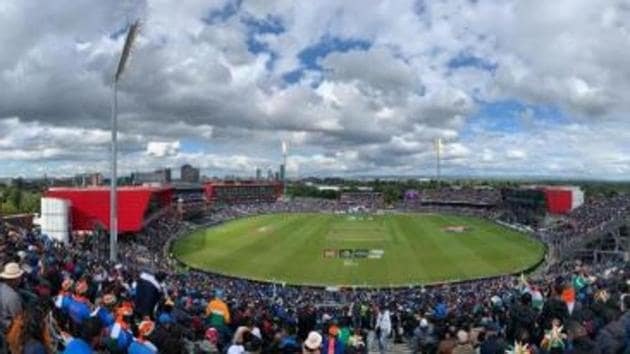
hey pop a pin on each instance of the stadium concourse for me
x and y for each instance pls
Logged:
(70, 298)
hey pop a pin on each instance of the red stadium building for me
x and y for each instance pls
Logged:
(234, 192)
(137, 206)
(563, 199)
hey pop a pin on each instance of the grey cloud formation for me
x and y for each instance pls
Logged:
(193, 81)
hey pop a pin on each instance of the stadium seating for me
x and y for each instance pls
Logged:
(569, 307)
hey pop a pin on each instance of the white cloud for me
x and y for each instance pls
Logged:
(162, 149)
(367, 111)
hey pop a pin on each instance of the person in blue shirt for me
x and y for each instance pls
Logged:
(78, 307)
(105, 312)
(85, 342)
(118, 335)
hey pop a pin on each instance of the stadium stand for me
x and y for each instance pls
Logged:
(70, 298)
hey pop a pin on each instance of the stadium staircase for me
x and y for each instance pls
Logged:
(581, 244)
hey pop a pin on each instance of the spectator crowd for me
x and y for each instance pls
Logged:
(71, 299)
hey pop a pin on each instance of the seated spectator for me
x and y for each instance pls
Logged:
(10, 301)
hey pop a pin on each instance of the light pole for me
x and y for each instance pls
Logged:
(438, 151)
(113, 197)
(284, 163)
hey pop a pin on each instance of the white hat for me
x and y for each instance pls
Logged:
(462, 336)
(11, 271)
(313, 341)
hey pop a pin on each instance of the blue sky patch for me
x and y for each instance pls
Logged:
(511, 116)
(467, 60)
(218, 15)
(310, 56)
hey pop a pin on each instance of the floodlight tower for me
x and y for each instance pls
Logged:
(438, 162)
(285, 149)
(132, 33)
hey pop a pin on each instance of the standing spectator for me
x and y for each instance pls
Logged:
(383, 328)
(149, 292)
(522, 318)
(331, 344)
(10, 301)
(218, 314)
(555, 307)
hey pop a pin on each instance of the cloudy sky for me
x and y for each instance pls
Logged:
(531, 87)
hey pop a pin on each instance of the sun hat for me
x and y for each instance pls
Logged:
(11, 270)
(313, 341)
(462, 336)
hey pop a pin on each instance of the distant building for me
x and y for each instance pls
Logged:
(88, 179)
(269, 174)
(277, 176)
(162, 176)
(282, 172)
(258, 174)
(235, 192)
(189, 174)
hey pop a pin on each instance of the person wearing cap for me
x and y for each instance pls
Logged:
(463, 344)
(423, 336)
(141, 344)
(167, 334)
(312, 344)
(10, 301)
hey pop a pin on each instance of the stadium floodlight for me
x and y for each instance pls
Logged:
(132, 33)
(438, 151)
(285, 150)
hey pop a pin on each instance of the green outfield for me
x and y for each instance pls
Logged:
(367, 250)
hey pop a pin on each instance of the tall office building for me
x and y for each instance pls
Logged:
(189, 174)
(282, 172)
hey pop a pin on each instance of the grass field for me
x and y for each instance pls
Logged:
(416, 249)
